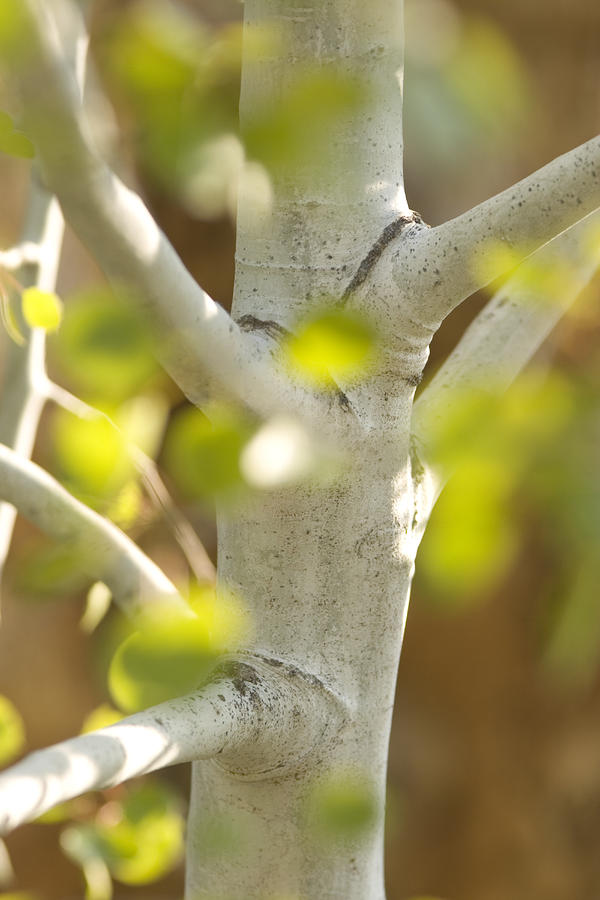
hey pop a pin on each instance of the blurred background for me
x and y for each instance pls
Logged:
(494, 786)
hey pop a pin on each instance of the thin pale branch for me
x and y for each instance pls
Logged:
(256, 716)
(198, 559)
(457, 258)
(197, 726)
(104, 551)
(35, 261)
(204, 350)
(22, 402)
(510, 329)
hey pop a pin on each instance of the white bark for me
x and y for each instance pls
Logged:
(206, 353)
(22, 401)
(35, 261)
(249, 714)
(506, 334)
(255, 713)
(105, 552)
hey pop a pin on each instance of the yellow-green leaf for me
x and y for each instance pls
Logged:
(41, 309)
(141, 840)
(101, 717)
(332, 343)
(12, 731)
(172, 654)
(342, 805)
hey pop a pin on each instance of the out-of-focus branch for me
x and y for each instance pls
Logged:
(510, 329)
(22, 402)
(204, 350)
(35, 262)
(105, 552)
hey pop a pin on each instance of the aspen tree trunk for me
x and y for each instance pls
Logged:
(325, 572)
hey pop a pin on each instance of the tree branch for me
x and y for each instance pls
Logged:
(35, 260)
(509, 330)
(447, 264)
(106, 553)
(256, 716)
(203, 349)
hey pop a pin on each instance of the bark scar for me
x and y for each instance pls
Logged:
(388, 234)
(278, 333)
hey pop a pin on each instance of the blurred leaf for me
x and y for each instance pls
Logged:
(466, 85)
(141, 844)
(550, 281)
(277, 133)
(173, 654)
(48, 569)
(41, 309)
(488, 77)
(494, 446)
(573, 649)
(12, 731)
(15, 143)
(342, 805)
(92, 454)
(332, 343)
(203, 456)
(126, 508)
(13, 32)
(105, 347)
(62, 812)
(101, 717)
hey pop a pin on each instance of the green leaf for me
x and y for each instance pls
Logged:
(91, 453)
(13, 32)
(101, 717)
(325, 96)
(41, 309)
(47, 569)
(471, 537)
(333, 343)
(172, 654)
(142, 841)
(105, 347)
(203, 456)
(342, 805)
(12, 732)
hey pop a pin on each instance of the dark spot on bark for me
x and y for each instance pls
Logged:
(159, 721)
(277, 663)
(414, 380)
(273, 329)
(243, 676)
(416, 466)
(388, 234)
